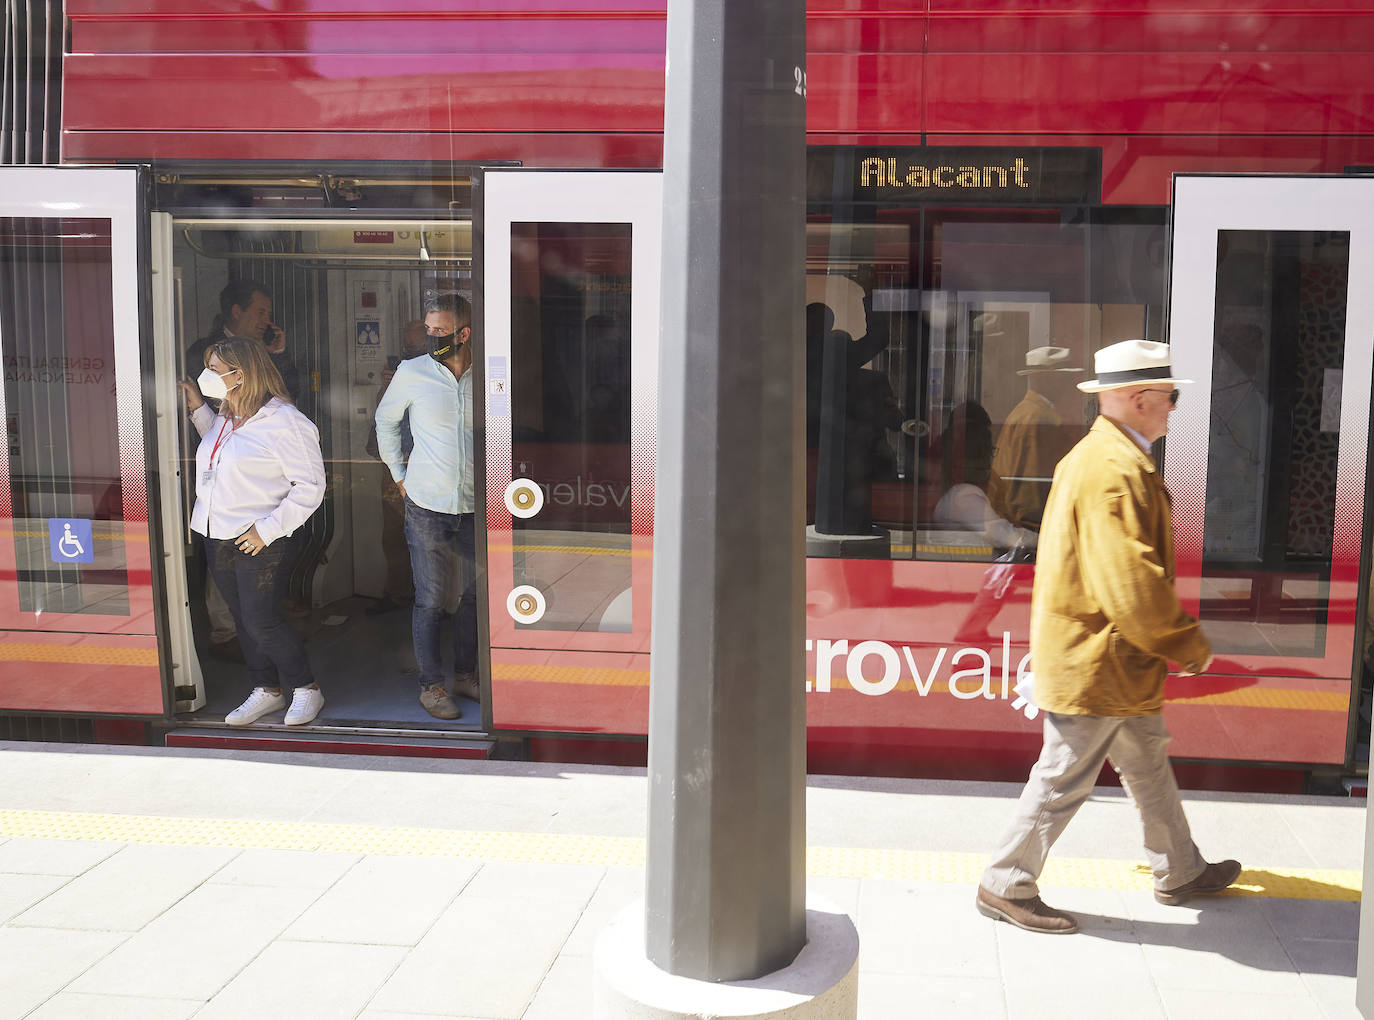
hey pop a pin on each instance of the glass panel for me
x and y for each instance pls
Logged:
(943, 349)
(570, 419)
(1279, 349)
(57, 337)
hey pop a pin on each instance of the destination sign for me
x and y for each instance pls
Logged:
(1021, 175)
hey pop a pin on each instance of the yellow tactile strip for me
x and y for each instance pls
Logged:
(606, 851)
(97, 655)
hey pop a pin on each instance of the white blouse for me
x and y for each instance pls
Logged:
(966, 506)
(267, 472)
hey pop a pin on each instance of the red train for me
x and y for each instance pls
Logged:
(995, 191)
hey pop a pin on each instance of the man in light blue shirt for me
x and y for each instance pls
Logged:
(436, 483)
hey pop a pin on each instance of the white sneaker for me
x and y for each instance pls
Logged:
(259, 704)
(306, 703)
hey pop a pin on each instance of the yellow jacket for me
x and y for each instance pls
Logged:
(1105, 619)
(1027, 447)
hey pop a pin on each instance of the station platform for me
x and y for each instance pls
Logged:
(169, 883)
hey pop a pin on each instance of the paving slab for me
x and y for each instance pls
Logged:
(305, 981)
(128, 889)
(198, 946)
(384, 901)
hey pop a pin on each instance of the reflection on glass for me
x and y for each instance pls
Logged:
(570, 370)
(1279, 343)
(928, 325)
(57, 339)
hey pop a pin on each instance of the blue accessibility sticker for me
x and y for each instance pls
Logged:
(69, 540)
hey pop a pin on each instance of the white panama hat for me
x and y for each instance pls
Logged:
(1131, 363)
(1047, 359)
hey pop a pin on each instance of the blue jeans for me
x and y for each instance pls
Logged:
(252, 587)
(442, 553)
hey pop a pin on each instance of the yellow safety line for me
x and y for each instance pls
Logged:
(100, 655)
(582, 550)
(622, 851)
(133, 536)
(609, 676)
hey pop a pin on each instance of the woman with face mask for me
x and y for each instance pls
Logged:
(259, 477)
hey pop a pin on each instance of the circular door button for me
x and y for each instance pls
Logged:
(524, 498)
(526, 604)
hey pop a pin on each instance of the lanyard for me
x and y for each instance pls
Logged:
(219, 440)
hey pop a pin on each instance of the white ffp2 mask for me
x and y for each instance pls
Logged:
(212, 385)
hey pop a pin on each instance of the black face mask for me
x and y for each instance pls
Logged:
(440, 347)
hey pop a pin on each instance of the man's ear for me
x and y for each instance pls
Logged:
(465, 334)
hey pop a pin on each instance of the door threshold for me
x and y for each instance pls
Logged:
(468, 744)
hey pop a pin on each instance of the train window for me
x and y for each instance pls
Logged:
(1278, 354)
(942, 347)
(57, 339)
(570, 420)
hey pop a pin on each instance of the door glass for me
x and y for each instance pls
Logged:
(943, 349)
(570, 421)
(1278, 356)
(57, 338)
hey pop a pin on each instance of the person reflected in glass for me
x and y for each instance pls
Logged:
(436, 483)
(966, 460)
(259, 477)
(866, 412)
(1034, 437)
(966, 456)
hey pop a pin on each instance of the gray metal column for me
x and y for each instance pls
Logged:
(725, 897)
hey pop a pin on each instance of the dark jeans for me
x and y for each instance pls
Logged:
(252, 587)
(441, 558)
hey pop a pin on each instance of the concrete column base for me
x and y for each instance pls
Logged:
(821, 983)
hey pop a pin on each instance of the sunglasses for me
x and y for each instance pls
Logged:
(1173, 395)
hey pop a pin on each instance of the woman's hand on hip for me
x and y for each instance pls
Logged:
(250, 542)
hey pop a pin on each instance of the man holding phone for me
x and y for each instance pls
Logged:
(245, 310)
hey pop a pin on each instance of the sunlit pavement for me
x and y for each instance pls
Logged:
(171, 883)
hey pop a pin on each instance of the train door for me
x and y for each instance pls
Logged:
(568, 303)
(347, 297)
(1271, 314)
(77, 609)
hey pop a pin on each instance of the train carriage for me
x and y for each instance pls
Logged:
(994, 192)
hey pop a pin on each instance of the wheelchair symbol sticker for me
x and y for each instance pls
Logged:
(69, 540)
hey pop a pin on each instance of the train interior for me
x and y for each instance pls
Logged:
(349, 297)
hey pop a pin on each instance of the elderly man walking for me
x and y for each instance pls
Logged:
(1105, 623)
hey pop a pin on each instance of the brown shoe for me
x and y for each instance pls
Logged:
(436, 701)
(1032, 914)
(465, 686)
(1214, 878)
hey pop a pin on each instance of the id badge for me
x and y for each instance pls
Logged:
(207, 478)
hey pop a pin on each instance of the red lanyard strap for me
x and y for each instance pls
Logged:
(219, 440)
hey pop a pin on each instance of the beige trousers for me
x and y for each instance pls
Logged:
(1074, 749)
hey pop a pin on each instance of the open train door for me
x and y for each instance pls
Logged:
(567, 300)
(78, 630)
(1271, 312)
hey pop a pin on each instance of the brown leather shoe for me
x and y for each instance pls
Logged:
(1032, 914)
(436, 701)
(1214, 878)
(465, 686)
